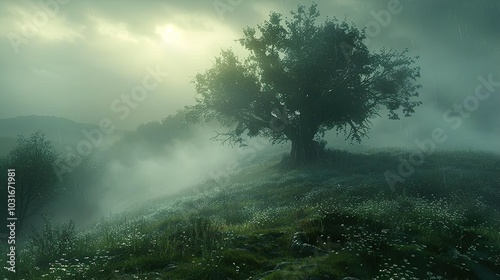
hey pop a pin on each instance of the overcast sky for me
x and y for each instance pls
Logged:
(82, 59)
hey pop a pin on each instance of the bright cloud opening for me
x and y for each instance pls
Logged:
(169, 33)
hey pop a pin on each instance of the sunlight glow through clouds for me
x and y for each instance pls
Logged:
(169, 33)
(186, 39)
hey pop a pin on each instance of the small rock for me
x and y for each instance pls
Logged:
(300, 248)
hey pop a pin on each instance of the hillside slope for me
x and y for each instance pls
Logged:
(330, 222)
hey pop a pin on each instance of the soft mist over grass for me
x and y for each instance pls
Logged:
(148, 171)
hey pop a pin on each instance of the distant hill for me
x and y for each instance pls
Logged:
(60, 131)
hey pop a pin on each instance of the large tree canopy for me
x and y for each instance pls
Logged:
(302, 79)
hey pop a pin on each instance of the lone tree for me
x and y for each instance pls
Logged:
(302, 79)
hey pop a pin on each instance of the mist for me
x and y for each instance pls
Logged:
(175, 167)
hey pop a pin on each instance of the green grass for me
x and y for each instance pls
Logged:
(442, 223)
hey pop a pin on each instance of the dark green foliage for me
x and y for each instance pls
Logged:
(173, 127)
(195, 236)
(36, 179)
(52, 241)
(243, 259)
(301, 79)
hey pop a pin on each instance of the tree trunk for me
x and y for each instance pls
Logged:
(304, 151)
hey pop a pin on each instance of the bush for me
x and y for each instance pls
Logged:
(52, 242)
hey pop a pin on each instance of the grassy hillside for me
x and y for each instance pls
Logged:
(327, 222)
